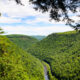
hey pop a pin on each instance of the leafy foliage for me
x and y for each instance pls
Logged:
(16, 64)
(62, 52)
(22, 41)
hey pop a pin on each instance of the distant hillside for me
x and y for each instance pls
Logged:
(22, 41)
(16, 64)
(39, 37)
(62, 52)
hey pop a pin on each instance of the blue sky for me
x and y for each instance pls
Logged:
(17, 19)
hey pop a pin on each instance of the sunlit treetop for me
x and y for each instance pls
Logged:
(58, 9)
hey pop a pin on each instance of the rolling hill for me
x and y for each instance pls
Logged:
(62, 52)
(23, 41)
(16, 64)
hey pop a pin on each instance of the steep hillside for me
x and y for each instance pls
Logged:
(62, 52)
(15, 64)
(22, 41)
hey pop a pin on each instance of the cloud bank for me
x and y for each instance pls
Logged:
(27, 20)
(35, 30)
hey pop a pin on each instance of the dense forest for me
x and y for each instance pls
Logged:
(16, 64)
(52, 57)
(23, 41)
(23, 57)
(62, 52)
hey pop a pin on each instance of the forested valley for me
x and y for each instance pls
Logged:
(62, 52)
(23, 57)
(45, 51)
(16, 64)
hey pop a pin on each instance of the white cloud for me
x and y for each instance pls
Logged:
(9, 20)
(14, 10)
(75, 18)
(17, 11)
(44, 19)
(35, 30)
